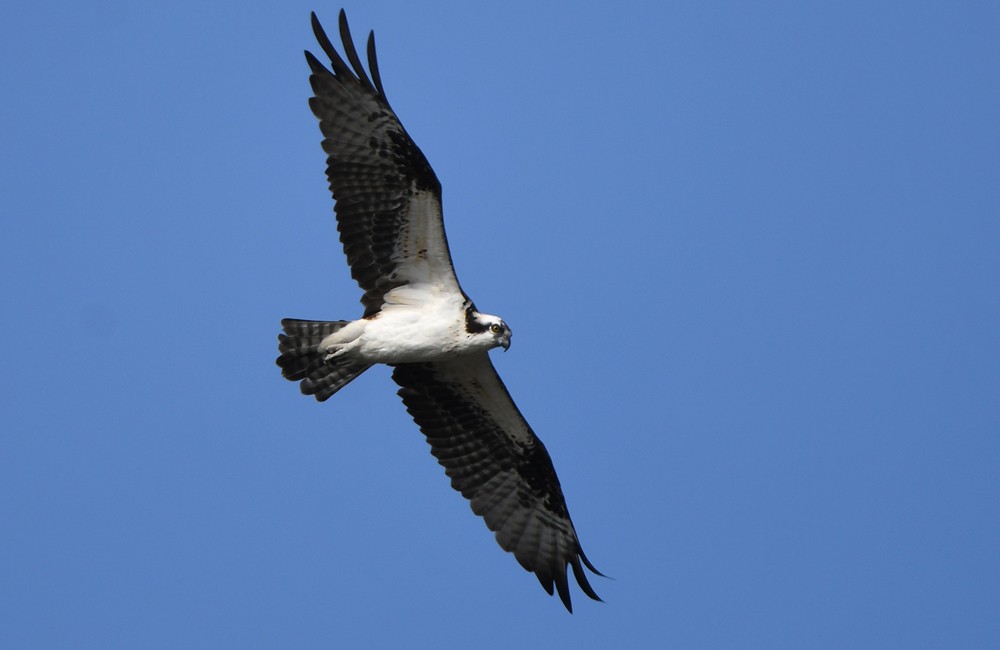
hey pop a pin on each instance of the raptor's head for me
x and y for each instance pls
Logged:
(488, 328)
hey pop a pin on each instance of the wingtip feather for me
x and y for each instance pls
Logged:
(373, 66)
(562, 586)
(581, 579)
(351, 51)
(339, 67)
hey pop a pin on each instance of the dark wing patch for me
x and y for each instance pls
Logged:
(495, 460)
(388, 197)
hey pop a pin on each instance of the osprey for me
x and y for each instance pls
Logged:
(419, 321)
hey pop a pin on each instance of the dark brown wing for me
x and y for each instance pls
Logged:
(388, 197)
(497, 463)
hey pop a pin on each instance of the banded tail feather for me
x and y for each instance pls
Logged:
(301, 360)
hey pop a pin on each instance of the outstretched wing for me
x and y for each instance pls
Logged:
(388, 197)
(495, 460)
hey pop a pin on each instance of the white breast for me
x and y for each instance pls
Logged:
(416, 323)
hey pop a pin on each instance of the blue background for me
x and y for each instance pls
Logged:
(750, 253)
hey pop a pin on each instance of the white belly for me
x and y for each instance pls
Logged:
(407, 335)
(407, 330)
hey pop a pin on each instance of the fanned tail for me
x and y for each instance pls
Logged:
(301, 360)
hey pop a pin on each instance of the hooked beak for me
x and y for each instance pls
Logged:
(505, 343)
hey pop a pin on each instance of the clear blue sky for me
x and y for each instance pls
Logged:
(750, 253)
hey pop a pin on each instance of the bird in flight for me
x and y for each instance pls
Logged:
(419, 321)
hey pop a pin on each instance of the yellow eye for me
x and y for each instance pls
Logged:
(495, 328)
